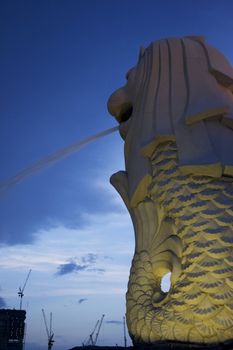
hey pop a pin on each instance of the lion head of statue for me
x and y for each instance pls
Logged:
(180, 90)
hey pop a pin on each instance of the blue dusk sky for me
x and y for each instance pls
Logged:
(59, 62)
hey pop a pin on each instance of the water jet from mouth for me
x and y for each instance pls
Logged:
(51, 159)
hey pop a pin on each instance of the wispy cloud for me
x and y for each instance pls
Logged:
(65, 204)
(105, 242)
(80, 301)
(88, 263)
(114, 322)
(90, 258)
(96, 270)
(54, 246)
(69, 267)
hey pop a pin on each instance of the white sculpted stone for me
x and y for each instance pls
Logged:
(176, 117)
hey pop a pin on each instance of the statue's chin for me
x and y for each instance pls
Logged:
(119, 180)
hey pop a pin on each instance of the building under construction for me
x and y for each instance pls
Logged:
(12, 326)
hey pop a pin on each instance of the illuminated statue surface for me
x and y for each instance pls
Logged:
(176, 117)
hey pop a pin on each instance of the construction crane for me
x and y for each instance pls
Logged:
(21, 290)
(98, 331)
(92, 340)
(49, 332)
(125, 340)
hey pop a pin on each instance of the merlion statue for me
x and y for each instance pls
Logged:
(176, 117)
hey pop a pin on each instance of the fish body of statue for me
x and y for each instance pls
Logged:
(176, 117)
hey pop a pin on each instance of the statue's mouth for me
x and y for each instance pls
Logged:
(121, 107)
(124, 119)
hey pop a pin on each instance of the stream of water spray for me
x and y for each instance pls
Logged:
(51, 159)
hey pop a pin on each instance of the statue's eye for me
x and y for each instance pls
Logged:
(126, 112)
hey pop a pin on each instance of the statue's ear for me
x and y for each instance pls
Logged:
(141, 52)
(220, 67)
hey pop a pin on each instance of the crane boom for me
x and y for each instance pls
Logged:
(50, 324)
(49, 332)
(26, 280)
(97, 333)
(45, 322)
(21, 290)
(91, 335)
(90, 338)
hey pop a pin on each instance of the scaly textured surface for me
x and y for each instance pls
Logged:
(184, 227)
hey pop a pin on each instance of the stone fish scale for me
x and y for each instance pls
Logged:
(199, 305)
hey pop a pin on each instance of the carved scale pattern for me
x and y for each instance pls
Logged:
(184, 227)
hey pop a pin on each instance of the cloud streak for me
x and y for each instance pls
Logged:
(114, 322)
(69, 267)
(96, 270)
(70, 247)
(88, 263)
(90, 258)
(80, 301)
